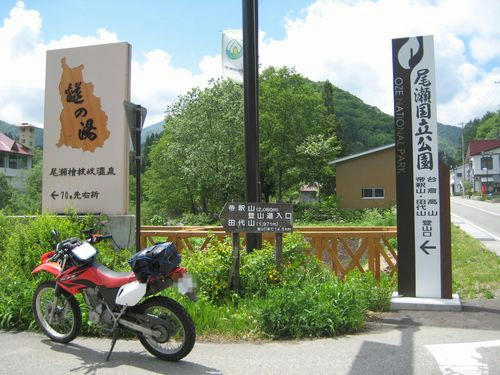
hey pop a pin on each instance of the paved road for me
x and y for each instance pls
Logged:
(410, 342)
(479, 219)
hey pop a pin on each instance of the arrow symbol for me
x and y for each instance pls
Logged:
(54, 195)
(424, 247)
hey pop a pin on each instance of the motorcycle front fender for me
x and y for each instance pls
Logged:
(50, 267)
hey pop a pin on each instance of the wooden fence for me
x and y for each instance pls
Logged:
(343, 248)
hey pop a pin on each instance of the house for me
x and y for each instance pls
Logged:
(457, 180)
(309, 193)
(367, 179)
(15, 161)
(483, 166)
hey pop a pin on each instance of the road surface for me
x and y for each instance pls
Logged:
(411, 342)
(479, 219)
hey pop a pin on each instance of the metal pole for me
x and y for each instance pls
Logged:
(138, 122)
(463, 163)
(251, 104)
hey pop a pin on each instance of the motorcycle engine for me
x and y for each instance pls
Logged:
(99, 314)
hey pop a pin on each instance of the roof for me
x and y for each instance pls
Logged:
(364, 153)
(9, 145)
(307, 188)
(26, 125)
(476, 147)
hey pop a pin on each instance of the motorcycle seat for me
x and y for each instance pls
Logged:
(113, 279)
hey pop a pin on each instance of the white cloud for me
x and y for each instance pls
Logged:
(347, 42)
(155, 82)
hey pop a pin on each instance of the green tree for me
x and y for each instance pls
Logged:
(197, 164)
(489, 127)
(294, 125)
(6, 191)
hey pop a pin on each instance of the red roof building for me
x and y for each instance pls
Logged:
(15, 161)
(483, 166)
(476, 147)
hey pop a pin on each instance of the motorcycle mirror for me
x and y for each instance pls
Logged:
(55, 234)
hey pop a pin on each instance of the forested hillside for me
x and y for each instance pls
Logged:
(486, 127)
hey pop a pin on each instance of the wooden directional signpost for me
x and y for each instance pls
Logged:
(245, 217)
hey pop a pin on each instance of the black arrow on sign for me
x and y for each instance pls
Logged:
(424, 248)
(54, 195)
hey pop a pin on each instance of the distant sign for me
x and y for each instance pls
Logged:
(86, 146)
(257, 217)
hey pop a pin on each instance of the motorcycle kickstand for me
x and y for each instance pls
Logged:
(116, 333)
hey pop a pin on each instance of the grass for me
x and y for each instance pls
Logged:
(475, 269)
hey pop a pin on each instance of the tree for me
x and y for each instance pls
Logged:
(294, 125)
(6, 191)
(197, 164)
(489, 127)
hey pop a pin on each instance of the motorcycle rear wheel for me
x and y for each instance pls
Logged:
(65, 323)
(176, 331)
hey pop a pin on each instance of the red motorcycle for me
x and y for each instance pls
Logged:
(162, 325)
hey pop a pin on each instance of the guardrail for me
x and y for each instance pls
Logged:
(343, 248)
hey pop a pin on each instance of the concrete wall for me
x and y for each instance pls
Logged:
(376, 170)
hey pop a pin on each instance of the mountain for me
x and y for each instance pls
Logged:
(361, 127)
(152, 129)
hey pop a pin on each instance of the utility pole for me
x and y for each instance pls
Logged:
(251, 105)
(463, 162)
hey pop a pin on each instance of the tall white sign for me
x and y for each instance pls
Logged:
(425, 172)
(232, 55)
(86, 140)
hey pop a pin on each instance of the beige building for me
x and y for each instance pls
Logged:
(367, 179)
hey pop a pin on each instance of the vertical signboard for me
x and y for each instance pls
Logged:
(86, 142)
(232, 55)
(417, 167)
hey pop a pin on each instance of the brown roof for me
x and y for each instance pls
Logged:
(476, 147)
(9, 145)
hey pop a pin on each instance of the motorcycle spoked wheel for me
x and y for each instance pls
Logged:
(177, 333)
(65, 324)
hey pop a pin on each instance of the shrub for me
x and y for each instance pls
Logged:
(376, 295)
(312, 309)
(210, 269)
(28, 239)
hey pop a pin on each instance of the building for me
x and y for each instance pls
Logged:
(457, 180)
(15, 161)
(309, 193)
(367, 179)
(483, 166)
(26, 135)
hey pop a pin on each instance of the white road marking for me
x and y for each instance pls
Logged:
(462, 358)
(477, 208)
(475, 226)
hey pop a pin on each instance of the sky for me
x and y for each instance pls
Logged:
(176, 46)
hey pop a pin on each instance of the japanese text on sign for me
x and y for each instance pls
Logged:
(257, 217)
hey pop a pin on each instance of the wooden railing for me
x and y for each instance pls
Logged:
(343, 248)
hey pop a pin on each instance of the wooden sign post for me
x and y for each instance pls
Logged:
(245, 217)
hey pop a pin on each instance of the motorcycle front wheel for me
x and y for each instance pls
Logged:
(59, 317)
(174, 329)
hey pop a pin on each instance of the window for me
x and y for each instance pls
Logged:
(486, 162)
(2, 160)
(459, 174)
(12, 161)
(372, 193)
(22, 162)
